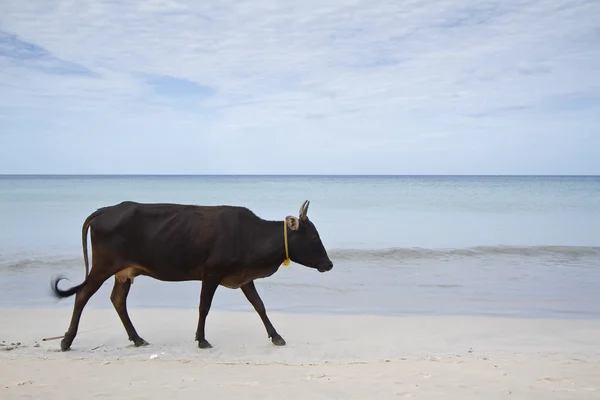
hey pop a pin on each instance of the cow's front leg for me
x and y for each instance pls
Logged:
(252, 295)
(209, 287)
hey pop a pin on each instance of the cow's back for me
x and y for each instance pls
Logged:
(161, 236)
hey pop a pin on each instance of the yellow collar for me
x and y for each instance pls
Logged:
(286, 262)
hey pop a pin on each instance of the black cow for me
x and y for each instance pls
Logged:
(218, 245)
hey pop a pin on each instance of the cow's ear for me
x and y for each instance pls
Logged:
(292, 222)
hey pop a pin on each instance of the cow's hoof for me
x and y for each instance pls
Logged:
(278, 341)
(139, 342)
(65, 344)
(203, 344)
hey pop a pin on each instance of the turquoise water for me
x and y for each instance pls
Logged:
(519, 246)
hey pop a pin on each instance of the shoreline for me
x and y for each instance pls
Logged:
(308, 311)
(492, 286)
(351, 357)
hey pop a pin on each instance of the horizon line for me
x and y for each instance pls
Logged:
(292, 175)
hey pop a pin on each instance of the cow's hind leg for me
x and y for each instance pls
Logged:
(92, 283)
(119, 300)
(249, 290)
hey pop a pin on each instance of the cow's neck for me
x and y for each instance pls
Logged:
(268, 243)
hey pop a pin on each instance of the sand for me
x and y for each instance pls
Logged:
(327, 357)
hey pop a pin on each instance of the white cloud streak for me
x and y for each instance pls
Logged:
(305, 87)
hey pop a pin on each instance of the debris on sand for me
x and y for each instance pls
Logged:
(9, 347)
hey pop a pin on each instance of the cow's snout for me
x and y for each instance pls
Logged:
(327, 267)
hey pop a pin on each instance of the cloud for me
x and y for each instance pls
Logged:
(229, 87)
(21, 54)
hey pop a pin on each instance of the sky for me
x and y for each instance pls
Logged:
(300, 87)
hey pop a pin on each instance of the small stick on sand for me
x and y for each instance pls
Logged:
(52, 338)
(62, 336)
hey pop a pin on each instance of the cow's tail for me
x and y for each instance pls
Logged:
(84, 230)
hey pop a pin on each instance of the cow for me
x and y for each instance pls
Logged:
(223, 245)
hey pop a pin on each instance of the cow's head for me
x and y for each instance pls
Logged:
(305, 246)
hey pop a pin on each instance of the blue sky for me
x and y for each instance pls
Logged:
(348, 87)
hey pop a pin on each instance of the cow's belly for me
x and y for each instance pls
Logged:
(130, 272)
(239, 279)
(235, 281)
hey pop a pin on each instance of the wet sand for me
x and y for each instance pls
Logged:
(326, 357)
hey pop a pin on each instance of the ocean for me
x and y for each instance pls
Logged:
(518, 246)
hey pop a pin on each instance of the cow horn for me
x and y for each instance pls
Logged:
(304, 209)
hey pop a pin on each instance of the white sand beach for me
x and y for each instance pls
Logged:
(327, 357)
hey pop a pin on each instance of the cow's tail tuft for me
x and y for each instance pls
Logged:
(84, 230)
(59, 293)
